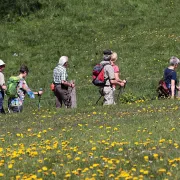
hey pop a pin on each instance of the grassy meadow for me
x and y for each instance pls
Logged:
(138, 138)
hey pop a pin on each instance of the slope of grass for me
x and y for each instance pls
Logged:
(135, 140)
(144, 34)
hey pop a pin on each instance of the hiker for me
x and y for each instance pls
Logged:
(107, 90)
(2, 86)
(114, 58)
(170, 76)
(62, 86)
(15, 104)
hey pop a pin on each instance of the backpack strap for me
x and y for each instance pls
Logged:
(168, 74)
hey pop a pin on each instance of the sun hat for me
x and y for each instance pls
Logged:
(63, 60)
(2, 62)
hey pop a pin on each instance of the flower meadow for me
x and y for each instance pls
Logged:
(135, 141)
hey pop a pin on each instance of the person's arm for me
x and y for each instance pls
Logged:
(39, 93)
(117, 75)
(111, 76)
(2, 82)
(30, 93)
(66, 83)
(118, 79)
(114, 81)
(64, 79)
(3, 87)
(172, 88)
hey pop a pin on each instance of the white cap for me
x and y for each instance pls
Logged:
(63, 60)
(2, 62)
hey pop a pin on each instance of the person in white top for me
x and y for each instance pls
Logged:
(2, 86)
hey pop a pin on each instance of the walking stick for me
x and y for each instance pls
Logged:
(39, 105)
(121, 90)
(98, 99)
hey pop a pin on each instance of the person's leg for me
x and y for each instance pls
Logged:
(108, 96)
(58, 102)
(58, 96)
(101, 92)
(1, 102)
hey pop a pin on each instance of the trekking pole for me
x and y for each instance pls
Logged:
(98, 99)
(39, 105)
(121, 90)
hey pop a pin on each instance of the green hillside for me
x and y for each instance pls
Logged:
(136, 139)
(143, 33)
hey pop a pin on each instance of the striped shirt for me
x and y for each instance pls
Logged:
(59, 74)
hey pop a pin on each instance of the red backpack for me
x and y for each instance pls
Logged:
(98, 75)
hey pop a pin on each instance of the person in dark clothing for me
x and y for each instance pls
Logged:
(170, 76)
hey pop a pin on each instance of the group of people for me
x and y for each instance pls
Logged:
(62, 85)
(112, 76)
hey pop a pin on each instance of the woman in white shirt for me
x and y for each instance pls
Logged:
(2, 86)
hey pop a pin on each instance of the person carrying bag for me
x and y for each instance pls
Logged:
(168, 85)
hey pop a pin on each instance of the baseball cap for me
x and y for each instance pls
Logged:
(107, 52)
(2, 62)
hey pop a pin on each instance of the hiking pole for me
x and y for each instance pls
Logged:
(98, 99)
(39, 105)
(121, 90)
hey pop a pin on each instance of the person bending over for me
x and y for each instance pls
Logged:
(61, 83)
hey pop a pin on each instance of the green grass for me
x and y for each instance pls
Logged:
(144, 38)
(138, 138)
(137, 141)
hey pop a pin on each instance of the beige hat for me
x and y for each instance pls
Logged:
(63, 60)
(2, 62)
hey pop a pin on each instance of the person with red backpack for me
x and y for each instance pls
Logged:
(104, 78)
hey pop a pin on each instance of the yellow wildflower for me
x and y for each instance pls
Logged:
(44, 168)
